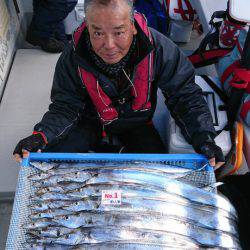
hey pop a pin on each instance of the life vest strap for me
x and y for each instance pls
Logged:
(204, 58)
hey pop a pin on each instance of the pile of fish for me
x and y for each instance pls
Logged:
(125, 206)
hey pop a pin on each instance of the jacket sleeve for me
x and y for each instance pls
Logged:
(175, 76)
(67, 99)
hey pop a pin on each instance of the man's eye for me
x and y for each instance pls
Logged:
(97, 34)
(119, 33)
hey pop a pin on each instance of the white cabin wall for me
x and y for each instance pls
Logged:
(14, 21)
(13, 26)
(9, 28)
(25, 15)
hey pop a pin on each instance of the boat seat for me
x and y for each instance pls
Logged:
(178, 144)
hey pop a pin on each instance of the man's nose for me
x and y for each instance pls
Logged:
(109, 42)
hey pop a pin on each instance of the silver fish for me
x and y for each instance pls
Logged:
(39, 223)
(70, 177)
(170, 185)
(81, 176)
(53, 231)
(170, 224)
(34, 246)
(44, 166)
(129, 189)
(60, 187)
(139, 191)
(51, 181)
(39, 246)
(180, 167)
(160, 168)
(107, 246)
(52, 196)
(55, 172)
(114, 234)
(51, 189)
(210, 220)
(134, 246)
(38, 176)
(46, 205)
(49, 214)
(146, 167)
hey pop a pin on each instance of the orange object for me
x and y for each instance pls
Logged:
(235, 161)
(239, 147)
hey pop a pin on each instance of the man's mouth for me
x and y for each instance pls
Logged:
(111, 55)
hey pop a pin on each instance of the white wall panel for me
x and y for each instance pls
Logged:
(9, 26)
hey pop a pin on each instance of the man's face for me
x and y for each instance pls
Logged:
(111, 30)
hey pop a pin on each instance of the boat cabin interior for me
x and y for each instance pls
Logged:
(26, 75)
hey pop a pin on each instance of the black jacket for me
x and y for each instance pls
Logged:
(173, 74)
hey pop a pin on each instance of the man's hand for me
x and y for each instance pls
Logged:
(33, 143)
(213, 153)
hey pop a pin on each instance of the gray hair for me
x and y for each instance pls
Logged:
(88, 3)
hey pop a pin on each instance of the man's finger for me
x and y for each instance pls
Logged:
(212, 162)
(25, 153)
(17, 158)
(39, 151)
(218, 165)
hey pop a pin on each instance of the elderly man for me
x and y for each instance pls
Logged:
(106, 83)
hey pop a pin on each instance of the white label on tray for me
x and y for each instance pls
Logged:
(111, 197)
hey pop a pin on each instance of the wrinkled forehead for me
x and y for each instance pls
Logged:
(109, 20)
(113, 9)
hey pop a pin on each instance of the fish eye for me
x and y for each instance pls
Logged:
(76, 203)
(66, 217)
(89, 221)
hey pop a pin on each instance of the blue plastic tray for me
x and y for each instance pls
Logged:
(191, 161)
(21, 211)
